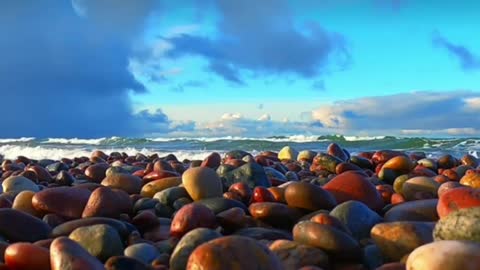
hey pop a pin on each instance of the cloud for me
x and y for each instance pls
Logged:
(65, 69)
(453, 112)
(467, 59)
(261, 36)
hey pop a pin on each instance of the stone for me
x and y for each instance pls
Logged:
(459, 225)
(420, 187)
(23, 202)
(233, 252)
(68, 227)
(471, 179)
(395, 167)
(96, 172)
(287, 153)
(308, 196)
(251, 173)
(372, 257)
(26, 256)
(64, 201)
(129, 183)
(335, 242)
(144, 252)
(202, 183)
(354, 185)
(17, 226)
(18, 184)
(212, 161)
(335, 150)
(357, 217)
(107, 202)
(151, 188)
(260, 233)
(188, 243)
(101, 241)
(67, 254)
(294, 255)
(325, 162)
(457, 198)
(169, 195)
(306, 155)
(218, 205)
(125, 263)
(275, 214)
(190, 217)
(419, 210)
(397, 239)
(445, 255)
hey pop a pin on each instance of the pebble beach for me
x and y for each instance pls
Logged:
(330, 209)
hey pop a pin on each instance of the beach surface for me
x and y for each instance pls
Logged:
(299, 202)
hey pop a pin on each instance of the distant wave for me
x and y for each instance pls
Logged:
(23, 139)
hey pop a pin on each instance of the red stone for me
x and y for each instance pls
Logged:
(353, 185)
(456, 199)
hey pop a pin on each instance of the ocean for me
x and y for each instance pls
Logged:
(199, 148)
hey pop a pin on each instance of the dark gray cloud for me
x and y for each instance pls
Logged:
(260, 36)
(467, 59)
(64, 69)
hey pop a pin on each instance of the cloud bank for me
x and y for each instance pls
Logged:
(64, 69)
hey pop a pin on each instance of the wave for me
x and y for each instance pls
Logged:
(22, 139)
(75, 141)
(56, 153)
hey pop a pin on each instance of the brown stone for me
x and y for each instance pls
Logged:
(107, 202)
(129, 183)
(308, 196)
(233, 252)
(64, 201)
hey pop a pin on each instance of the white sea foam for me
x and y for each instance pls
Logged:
(293, 138)
(78, 140)
(22, 139)
(363, 138)
(56, 153)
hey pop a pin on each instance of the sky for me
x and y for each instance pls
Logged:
(96, 68)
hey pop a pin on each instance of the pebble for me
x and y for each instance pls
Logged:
(354, 185)
(63, 201)
(190, 217)
(202, 183)
(17, 184)
(17, 226)
(397, 239)
(457, 198)
(107, 202)
(188, 243)
(23, 202)
(151, 188)
(101, 241)
(287, 153)
(26, 256)
(67, 254)
(233, 252)
(308, 196)
(459, 225)
(129, 183)
(419, 210)
(445, 255)
(143, 252)
(294, 255)
(357, 218)
(327, 238)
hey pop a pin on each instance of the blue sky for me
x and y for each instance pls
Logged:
(97, 68)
